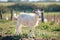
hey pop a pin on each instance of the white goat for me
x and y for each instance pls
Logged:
(27, 19)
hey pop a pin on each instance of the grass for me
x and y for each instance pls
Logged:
(52, 13)
(7, 3)
(7, 26)
(46, 3)
(44, 30)
(35, 3)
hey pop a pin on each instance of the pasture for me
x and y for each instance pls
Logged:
(49, 30)
(43, 30)
(48, 15)
(36, 3)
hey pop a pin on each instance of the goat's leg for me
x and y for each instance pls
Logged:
(32, 31)
(18, 27)
(17, 33)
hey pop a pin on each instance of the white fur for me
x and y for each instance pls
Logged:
(27, 19)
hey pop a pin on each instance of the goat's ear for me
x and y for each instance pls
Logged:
(35, 13)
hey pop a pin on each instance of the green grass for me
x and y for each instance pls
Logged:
(44, 30)
(7, 26)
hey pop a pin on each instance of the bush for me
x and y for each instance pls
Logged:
(52, 23)
(44, 26)
(56, 29)
(48, 26)
(4, 21)
(53, 8)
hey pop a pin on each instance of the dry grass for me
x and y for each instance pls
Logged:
(35, 3)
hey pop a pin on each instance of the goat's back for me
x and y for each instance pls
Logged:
(27, 18)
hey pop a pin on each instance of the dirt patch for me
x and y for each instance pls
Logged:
(18, 38)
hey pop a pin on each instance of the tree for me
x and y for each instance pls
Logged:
(3, 9)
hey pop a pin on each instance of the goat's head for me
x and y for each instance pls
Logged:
(38, 13)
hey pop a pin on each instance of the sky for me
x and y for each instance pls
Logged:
(29, 0)
(57, 0)
(33, 0)
(3, 0)
(22, 0)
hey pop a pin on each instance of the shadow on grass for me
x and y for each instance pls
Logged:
(18, 37)
(15, 37)
(10, 38)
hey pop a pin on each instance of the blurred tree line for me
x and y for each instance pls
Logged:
(53, 8)
(29, 8)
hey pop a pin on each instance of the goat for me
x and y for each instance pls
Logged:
(27, 19)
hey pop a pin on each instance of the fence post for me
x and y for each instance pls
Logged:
(12, 14)
(42, 15)
(0, 14)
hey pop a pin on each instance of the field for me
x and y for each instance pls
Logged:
(48, 31)
(44, 30)
(48, 15)
(36, 3)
